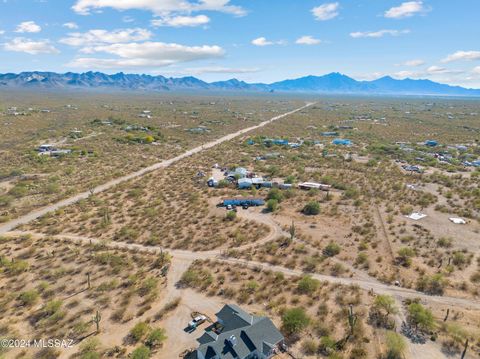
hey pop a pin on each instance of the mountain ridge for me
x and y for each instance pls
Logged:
(333, 83)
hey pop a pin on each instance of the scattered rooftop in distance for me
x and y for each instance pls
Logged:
(416, 216)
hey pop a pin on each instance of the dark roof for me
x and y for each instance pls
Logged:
(250, 333)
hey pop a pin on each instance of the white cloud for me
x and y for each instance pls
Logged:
(463, 55)
(159, 7)
(476, 70)
(28, 26)
(2, 32)
(326, 11)
(377, 34)
(307, 40)
(70, 25)
(98, 37)
(220, 70)
(147, 54)
(182, 21)
(414, 63)
(434, 71)
(437, 70)
(20, 44)
(261, 41)
(406, 9)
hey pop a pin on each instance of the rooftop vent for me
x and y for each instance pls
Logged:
(232, 340)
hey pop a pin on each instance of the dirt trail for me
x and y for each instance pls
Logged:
(366, 284)
(275, 230)
(8, 226)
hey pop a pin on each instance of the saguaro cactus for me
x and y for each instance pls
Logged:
(292, 231)
(465, 349)
(106, 217)
(352, 319)
(96, 319)
(446, 316)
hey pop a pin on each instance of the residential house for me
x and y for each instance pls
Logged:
(238, 335)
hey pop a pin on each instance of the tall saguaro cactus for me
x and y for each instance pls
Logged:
(292, 231)
(465, 349)
(96, 319)
(352, 319)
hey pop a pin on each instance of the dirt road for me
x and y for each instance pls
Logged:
(185, 255)
(8, 226)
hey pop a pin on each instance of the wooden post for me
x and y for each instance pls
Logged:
(88, 279)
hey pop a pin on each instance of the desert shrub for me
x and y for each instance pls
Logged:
(404, 256)
(309, 347)
(337, 269)
(13, 267)
(139, 331)
(19, 190)
(142, 352)
(231, 215)
(358, 353)
(28, 297)
(327, 345)
(252, 286)
(331, 249)
(88, 349)
(475, 277)
(445, 242)
(156, 337)
(5, 200)
(52, 307)
(311, 208)
(308, 285)
(351, 193)
(275, 194)
(459, 259)
(295, 320)
(272, 205)
(147, 286)
(434, 284)
(196, 278)
(456, 336)
(382, 307)
(396, 345)
(420, 317)
(362, 258)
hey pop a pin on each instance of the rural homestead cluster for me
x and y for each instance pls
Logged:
(244, 179)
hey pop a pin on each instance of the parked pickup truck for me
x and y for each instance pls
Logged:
(197, 321)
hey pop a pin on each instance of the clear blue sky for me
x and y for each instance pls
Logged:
(255, 40)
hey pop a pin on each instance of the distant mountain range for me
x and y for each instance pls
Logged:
(333, 83)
